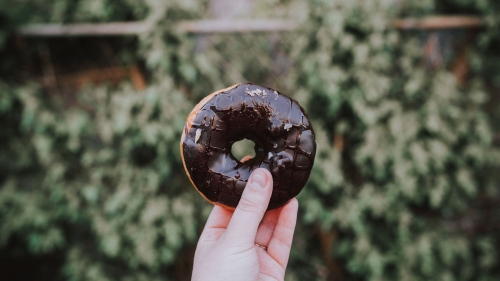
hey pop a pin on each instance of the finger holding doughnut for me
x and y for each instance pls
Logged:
(267, 226)
(243, 226)
(281, 241)
(273, 260)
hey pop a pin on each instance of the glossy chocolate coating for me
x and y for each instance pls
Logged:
(284, 143)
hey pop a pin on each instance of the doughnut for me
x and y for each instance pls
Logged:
(284, 144)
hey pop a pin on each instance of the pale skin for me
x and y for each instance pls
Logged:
(227, 247)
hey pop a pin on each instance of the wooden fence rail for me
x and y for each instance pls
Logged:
(136, 28)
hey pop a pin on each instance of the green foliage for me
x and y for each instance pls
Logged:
(403, 183)
(64, 11)
(416, 146)
(113, 174)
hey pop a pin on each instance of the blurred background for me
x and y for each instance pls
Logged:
(404, 97)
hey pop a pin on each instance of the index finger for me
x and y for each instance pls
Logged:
(216, 224)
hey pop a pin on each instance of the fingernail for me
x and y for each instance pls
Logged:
(258, 179)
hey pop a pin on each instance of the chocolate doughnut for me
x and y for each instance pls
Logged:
(284, 143)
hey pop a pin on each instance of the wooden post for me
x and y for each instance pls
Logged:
(445, 34)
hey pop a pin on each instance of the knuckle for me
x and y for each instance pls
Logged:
(248, 205)
(287, 243)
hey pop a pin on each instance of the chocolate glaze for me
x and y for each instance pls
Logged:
(284, 143)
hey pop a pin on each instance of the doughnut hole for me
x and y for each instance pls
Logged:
(242, 148)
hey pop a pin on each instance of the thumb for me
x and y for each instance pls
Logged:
(242, 228)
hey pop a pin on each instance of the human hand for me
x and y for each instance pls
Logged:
(238, 246)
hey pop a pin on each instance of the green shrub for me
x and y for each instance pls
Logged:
(403, 187)
(416, 148)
